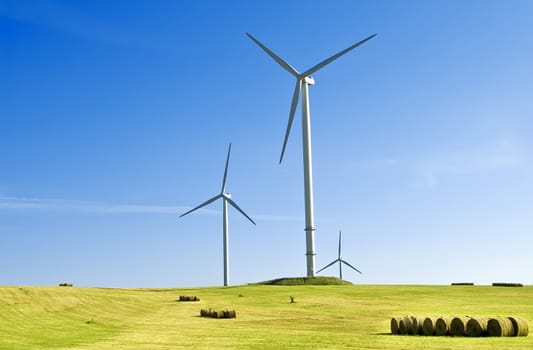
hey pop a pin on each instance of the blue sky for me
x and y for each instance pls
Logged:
(115, 117)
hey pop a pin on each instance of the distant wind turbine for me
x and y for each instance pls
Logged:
(340, 261)
(303, 80)
(226, 198)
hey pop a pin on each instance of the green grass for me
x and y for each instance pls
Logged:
(322, 317)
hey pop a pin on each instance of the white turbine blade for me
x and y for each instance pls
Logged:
(209, 201)
(325, 267)
(294, 104)
(278, 59)
(351, 266)
(334, 57)
(239, 209)
(339, 244)
(226, 171)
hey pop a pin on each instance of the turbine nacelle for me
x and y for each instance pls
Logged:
(309, 80)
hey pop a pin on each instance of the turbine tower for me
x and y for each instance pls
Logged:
(226, 198)
(340, 260)
(303, 80)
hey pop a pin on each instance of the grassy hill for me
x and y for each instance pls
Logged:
(322, 317)
(298, 281)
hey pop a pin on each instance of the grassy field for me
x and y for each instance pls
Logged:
(322, 317)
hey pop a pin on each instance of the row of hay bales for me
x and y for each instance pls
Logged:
(507, 284)
(209, 312)
(218, 313)
(495, 284)
(460, 326)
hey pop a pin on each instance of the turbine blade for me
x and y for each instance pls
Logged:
(209, 201)
(226, 170)
(278, 59)
(294, 104)
(339, 244)
(334, 57)
(345, 262)
(328, 265)
(239, 209)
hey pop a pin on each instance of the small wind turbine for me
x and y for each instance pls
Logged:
(303, 80)
(226, 198)
(340, 261)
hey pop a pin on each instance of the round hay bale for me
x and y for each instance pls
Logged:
(406, 325)
(476, 327)
(417, 325)
(458, 326)
(428, 327)
(219, 314)
(395, 325)
(204, 312)
(442, 326)
(500, 327)
(520, 327)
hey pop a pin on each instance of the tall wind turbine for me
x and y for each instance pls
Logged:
(303, 80)
(226, 198)
(340, 261)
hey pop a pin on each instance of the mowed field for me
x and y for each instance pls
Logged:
(322, 317)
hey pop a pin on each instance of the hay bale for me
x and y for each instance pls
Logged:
(442, 326)
(189, 298)
(476, 327)
(417, 325)
(395, 325)
(406, 325)
(458, 326)
(500, 327)
(65, 284)
(205, 312)
(428, 327)
(462, 284)
(520, 327)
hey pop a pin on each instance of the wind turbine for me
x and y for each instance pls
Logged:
(226, 198)
(303, 80)
(340, 260)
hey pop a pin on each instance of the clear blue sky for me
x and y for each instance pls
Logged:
(115, 117)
